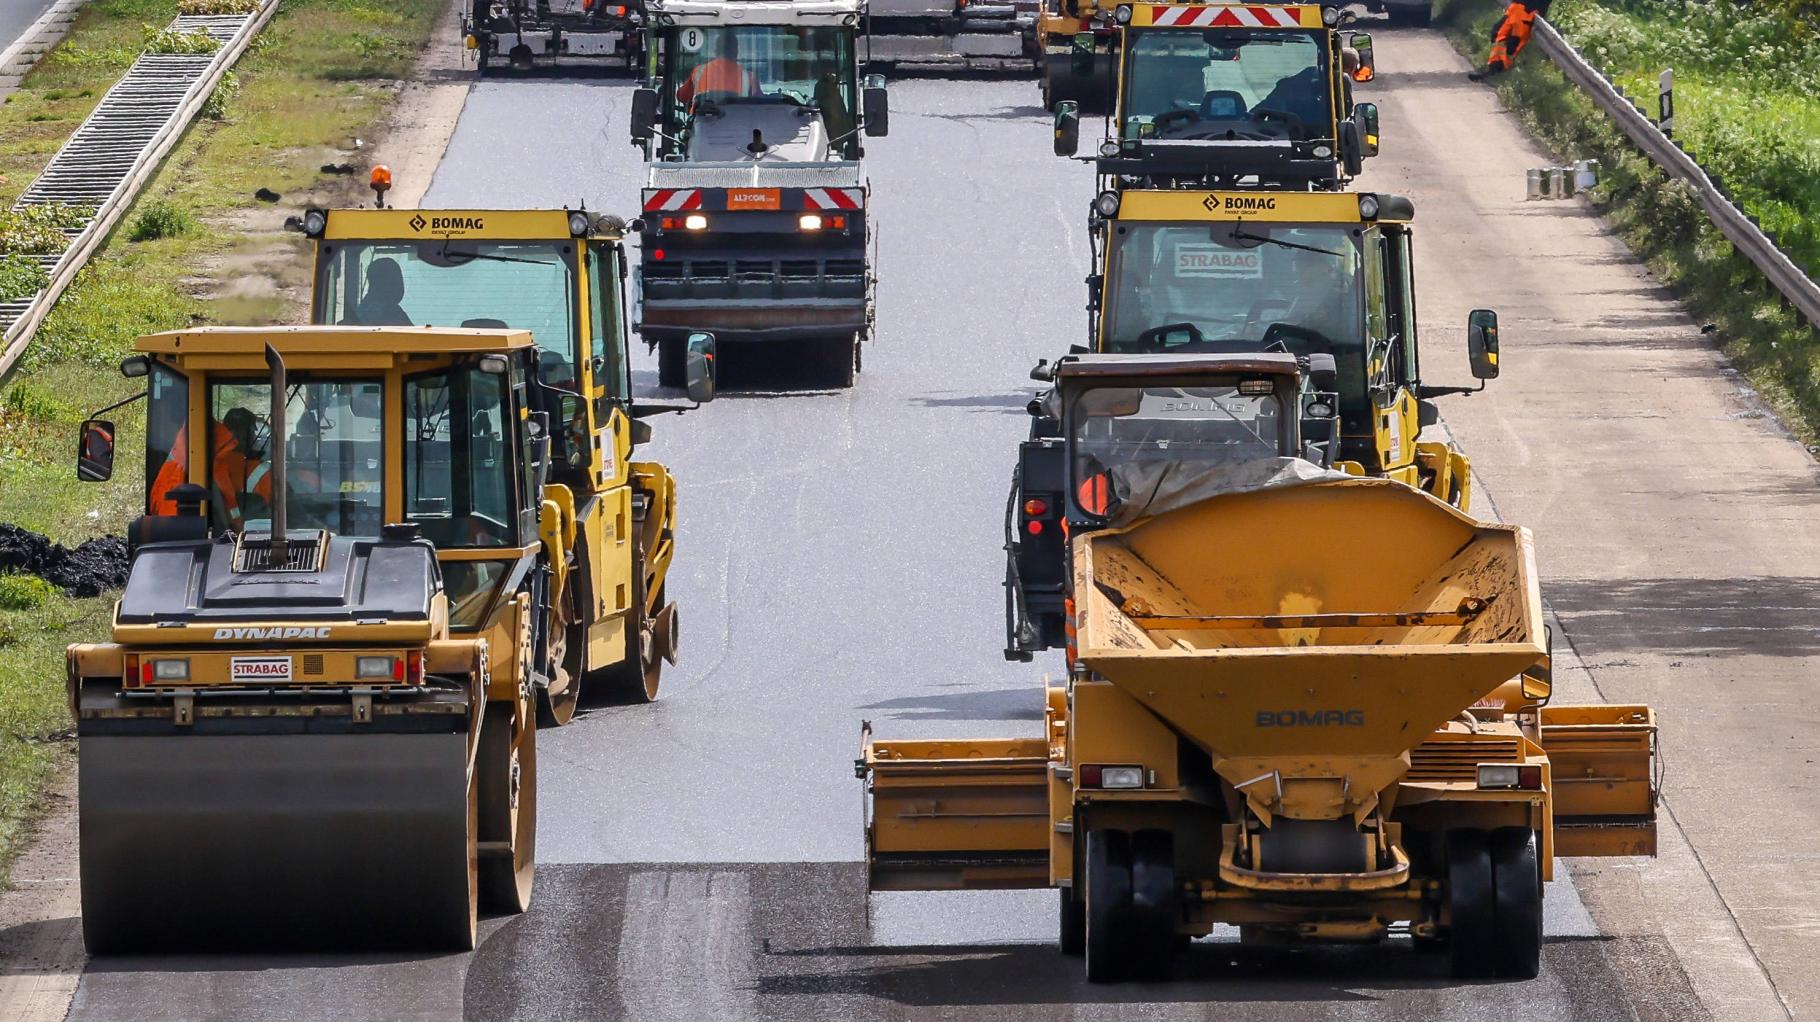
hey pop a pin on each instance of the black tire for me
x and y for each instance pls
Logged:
(1074, 923)
(1472, 903)
(1108, 909)
(671, 353)
(508, 811)
(635, 679)
(1154, 906)
(1517, 881)
(837, 358)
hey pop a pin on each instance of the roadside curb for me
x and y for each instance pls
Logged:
(35, 42)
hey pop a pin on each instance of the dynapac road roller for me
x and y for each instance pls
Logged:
(315, 722)
(1308, 705)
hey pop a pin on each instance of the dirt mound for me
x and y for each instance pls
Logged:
(88, 570)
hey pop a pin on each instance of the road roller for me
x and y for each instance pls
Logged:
(1300, 703)
(314, 723)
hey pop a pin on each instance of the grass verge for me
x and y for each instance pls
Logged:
(320, 75)
(1662, 222)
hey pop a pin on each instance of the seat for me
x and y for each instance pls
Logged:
(1223, 105)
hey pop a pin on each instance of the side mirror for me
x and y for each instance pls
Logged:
(1323, 372)
(644, 114)
(1538, 682)
(875, 109)
(1368, 65)
(1042, 372)
(1352, 150)
(1366, 116)
(95, 452)
(1482, 343)
(699, 370)
(1067, 128)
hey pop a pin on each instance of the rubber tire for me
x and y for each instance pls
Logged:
(1154, 906)
(1517, 880)
(1073, 923)
(506, 884)
(1472, 903)
(1108, 911)
(631, 681)
(671, 368)
(836, 360)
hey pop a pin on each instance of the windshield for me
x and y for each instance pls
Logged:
(805, 74)
(1114, 428)
(1227, 84)
(334, 450)
(520, 285)
(457, 461)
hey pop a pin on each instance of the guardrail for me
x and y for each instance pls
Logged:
(1783, 274)
(116, 150)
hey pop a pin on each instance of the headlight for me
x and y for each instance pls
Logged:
(1330, 16)
(1106, 204)
(580, 224)
(1123, 14)
(1121, 777)
(695, 222)
(171, 670)
(376, 667)
(1109, 148)
(315, 221)
(1510, 775)
(809, 222)
(1368, 205)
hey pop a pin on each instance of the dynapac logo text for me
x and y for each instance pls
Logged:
(1311, 718)
(291, 632)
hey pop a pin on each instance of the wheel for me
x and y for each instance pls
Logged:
(859, 355)
(1074, 923)
(452, 925)
(1108, 910)
(635, 679)
(557, 702)
(1517, 882)
(1472, 904)
(506, 774)
(837, 360)
(671, 353)
(1154, 910)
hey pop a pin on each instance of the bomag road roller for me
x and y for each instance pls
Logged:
(1302, 703)
(757, 220)
(559, 274)
(314, 723)
(1218, 96)
(1184, 271)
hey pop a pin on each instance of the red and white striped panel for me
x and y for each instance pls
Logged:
(834, 198)
(671, 200)
(1222, 17)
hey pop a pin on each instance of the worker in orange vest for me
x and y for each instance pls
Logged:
(235, 470)
(1511, 36)
(723, 75)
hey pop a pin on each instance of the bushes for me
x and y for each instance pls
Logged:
(24, 592)
(38, 230)
(21, 277)
(169, 40)
(161, 218)
(217, 6)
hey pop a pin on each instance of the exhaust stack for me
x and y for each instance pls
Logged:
(275, 449)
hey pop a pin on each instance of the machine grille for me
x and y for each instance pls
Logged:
(312, 665)
(256, 555)
(1457, 762)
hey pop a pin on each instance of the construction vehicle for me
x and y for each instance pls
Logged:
(1229, 96)
(757, 224)
(1235, 53)
(1266, 722)
(952, 35)
(314, 724)
(1186, 270)
(524, 34)
(559, 274)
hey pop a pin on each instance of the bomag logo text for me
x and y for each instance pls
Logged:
(1248, 204)
(290, 632)
(458, 223)
(1311, 718)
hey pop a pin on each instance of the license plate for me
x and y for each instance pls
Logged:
(260, 668)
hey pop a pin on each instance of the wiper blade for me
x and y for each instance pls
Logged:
(1240, 234)
(468, 257)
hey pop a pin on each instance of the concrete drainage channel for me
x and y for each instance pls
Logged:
(116, 150)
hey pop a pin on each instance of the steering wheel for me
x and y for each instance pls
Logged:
(1290, 122)
(1152, 339)
(1170, 119)
(1297, 340)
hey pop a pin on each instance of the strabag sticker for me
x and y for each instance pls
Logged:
(260, 668)
(1197, 259)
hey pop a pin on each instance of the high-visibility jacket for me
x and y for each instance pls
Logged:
(1513, 33)
(722, 74)
(233, 473)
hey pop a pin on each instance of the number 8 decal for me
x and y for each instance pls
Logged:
(691, 40)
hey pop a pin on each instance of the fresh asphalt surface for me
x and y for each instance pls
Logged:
(839, 560)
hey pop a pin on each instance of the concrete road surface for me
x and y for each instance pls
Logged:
(840, 559)
(18, 15)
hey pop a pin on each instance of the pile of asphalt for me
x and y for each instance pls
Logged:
(96, 566)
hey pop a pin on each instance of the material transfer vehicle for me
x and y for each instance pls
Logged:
(524, 34)
(757, 219)
(953, 35)
(314, 722)
(1265, 722)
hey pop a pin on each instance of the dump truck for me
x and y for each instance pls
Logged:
(953, 35)
(523, 34)
(1187, 270)
(559, 274)
(354, 586)
(757, 218)
(1266, 723)
(1229, 96)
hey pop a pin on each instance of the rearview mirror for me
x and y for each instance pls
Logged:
(699, 370)
(1366, 116)
(1482, 343)
(1067, 128)
(1352, 148)
(875, 109)
(1368, 65)
(644, 114)
(95, 452)
(1042, 372)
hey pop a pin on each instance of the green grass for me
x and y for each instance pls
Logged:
(1660, 219)
(320, 75)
